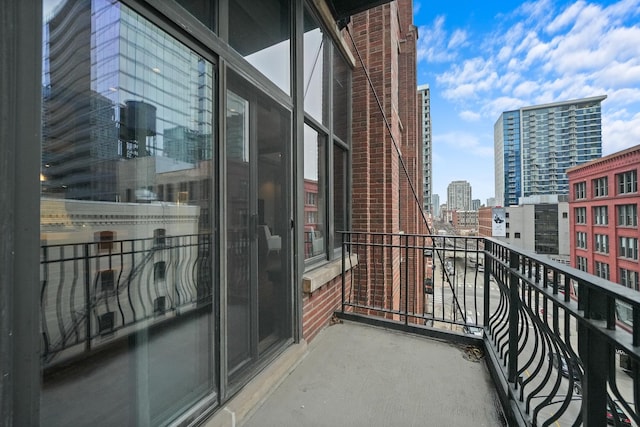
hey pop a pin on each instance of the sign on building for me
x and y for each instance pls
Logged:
(498, 228)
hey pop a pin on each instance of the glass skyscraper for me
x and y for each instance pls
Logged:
(535, 145)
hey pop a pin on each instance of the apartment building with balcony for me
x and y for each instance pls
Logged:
(603, 205)
(558, 135)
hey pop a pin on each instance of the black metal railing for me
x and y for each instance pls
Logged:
(560, 343)
(92, 293)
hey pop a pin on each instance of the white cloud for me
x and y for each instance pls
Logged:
(431, 44)
(475, 75)
(458, 38)
(470, 116)
(526, 89)
(620, 133)
(464, 141)
(565, 18)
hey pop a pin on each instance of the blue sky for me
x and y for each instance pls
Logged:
(483, 58)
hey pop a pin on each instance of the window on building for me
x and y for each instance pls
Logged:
(628, 247)
(565, 215)
(600, 215)
(628, 215)
(600, 187)
(581, 215)
(581, 263)
(315, 178)
(159, 236)
(581, 240)
(340, 185)
(105, 240)
(327, 96)
(507, 235)
(629, 278)
(627, 182)
(317, 48)
(579, 190)
(602, 270)
(602, 243)
(260, 31)
(516, 235)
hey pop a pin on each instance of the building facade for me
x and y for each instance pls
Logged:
(557, 135)
(541, 225)
(604, 203)
(459, 196)
(424, 109)
(176, 206)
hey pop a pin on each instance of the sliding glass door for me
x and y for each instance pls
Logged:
(258, 226)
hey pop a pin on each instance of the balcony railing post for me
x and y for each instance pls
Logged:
(343, 268)
(406, 279)
(595, 352)
(87, 292)
(514, 306)
(487, 274)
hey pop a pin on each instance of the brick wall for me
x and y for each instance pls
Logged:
(382, 201)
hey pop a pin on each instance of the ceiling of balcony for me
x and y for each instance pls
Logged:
(346, 8)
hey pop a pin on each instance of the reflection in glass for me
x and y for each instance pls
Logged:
(261, 33)
(316, 50)
(314, 191)
(238, 237)
(341, 96)
(203, 10)
(126, 271)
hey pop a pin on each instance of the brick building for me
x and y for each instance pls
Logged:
(603, 205)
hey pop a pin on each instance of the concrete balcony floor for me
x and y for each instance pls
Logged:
(359, 375)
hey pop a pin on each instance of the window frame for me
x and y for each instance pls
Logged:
(627, 182)
(600, 187)
(580, 190)
(627, 215)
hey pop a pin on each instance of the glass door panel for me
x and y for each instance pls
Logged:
(239, 234)
(274, 223)
(127, 235)
(258, 223)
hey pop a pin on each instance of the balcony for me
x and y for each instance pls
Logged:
(542, 344)
(437, 330)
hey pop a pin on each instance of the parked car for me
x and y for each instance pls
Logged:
(622, 418)
(559, 362)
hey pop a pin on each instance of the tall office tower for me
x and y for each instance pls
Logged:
(459, 196)
(435, 203)
(535, 145)
(424, 100)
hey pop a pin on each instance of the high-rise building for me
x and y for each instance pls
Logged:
(475, 204)
(424, 100)
(459, 196)
(435, 202)
(534, 146)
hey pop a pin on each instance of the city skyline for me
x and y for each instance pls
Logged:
(481, 60)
